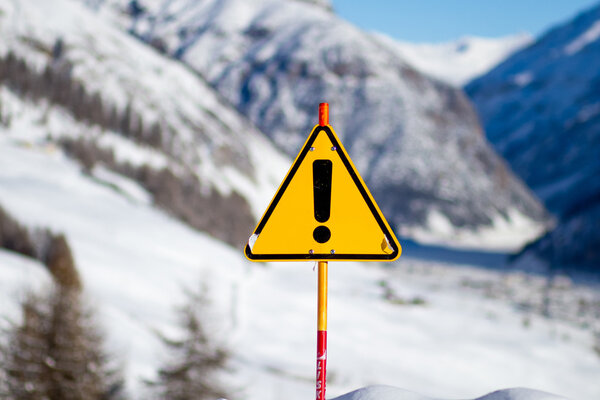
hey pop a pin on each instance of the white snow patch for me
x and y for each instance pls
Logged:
(126, 186)
(457, 62)
(127, 151)
(523, 78)
(587, 37)
(380, 392)
(504, 234)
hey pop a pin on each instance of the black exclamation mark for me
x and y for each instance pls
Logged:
(322, 197)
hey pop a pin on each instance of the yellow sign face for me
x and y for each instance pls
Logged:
(323, 211)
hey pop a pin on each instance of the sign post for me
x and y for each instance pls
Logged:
(322, 331)
(322, 211)
(321, 381)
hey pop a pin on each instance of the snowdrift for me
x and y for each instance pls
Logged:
(380, 392)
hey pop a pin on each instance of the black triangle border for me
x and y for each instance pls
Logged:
(363, 192)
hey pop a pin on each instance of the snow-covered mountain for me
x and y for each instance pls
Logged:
(109, 100)
(459, 61)
(416, 141)
(541, 111)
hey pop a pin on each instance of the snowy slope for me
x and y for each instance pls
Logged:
(391, 393)
(541, 111)
(459, 61)
(201, 133)
(416, 141)
(135, 260)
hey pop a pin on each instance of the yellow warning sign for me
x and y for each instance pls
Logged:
(323, 211)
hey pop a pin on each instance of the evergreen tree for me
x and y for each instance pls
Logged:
(113, 118)
(197, 357)
(96, 110)
(154, 136)
(126, 120)
(24, 361)
(56, 353)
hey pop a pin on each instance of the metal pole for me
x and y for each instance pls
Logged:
(322, 332)
(322, 301)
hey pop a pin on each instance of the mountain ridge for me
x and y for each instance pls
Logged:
(275, 61)
(541, 110)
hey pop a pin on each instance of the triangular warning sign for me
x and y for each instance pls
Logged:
(323, 211)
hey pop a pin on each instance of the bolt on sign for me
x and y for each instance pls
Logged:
(323, 211)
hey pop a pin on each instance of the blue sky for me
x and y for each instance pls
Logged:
(443, 20)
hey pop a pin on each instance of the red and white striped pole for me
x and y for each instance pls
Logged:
(322, 332)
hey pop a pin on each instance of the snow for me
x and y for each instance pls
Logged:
(587, 37)
(379, 392)
(105, 230)
(18, 276)
(520, 394)
(459, 61)
(506, 233)
(523, 78)
(127, 187)
(135, 260)
(126, 151)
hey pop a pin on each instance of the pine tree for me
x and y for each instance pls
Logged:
(56, 353)
(198, 358)
(154, 136)
(24, 361)
(113, 118)
(79, 365)
(126, 120)
(96, 112)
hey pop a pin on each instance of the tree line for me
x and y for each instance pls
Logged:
(226, 217)
(56, 84)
